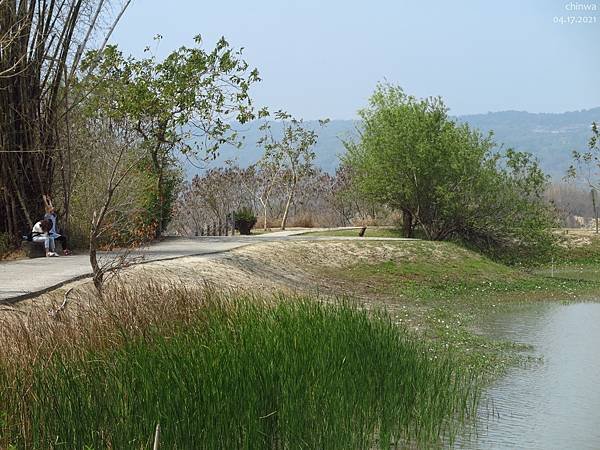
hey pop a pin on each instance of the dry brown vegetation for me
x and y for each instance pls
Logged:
(268, 267)
(276, 267)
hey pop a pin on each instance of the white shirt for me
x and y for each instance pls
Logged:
(37, 228)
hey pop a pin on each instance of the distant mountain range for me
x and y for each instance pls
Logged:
(550, 137)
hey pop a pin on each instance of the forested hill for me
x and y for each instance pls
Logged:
(551, 137)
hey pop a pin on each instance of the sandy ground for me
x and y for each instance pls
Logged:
(269, 267)
(294, 266)
(577, 237)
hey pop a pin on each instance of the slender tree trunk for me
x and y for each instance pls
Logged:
(97, 223)
(98, 273)
(161, 203)
(9, 221)
(287, 209)
(407, 223)
(158, 166)
(595, 210)
(264, 205)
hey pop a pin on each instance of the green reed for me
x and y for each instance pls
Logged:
(242, 373)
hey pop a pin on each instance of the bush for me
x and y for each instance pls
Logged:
(305, 220)
(5, 244)
(244, 220)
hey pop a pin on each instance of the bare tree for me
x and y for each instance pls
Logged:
(267, 175)
(587, 166)
(116, 154)
(321, 199)
(213, 196)
(291, 155)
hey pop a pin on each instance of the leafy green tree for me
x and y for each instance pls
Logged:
(446, 178)
(185, 103)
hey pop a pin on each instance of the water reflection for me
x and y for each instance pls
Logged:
(554, 404)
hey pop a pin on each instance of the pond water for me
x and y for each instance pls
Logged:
(554, 403)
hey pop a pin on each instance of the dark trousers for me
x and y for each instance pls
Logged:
(63, 241)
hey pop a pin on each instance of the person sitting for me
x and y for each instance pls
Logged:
(41, 233)
(52, 216)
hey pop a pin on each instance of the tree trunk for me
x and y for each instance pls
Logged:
(157, 167)
(407, 223)
(161, 204)
(265, 218)
(98, 273)
(263, 203)
(287, 209)
(595, 210)
(9, 215)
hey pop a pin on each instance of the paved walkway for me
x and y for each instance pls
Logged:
(30, 277)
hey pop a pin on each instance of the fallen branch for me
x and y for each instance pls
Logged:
(54, 312)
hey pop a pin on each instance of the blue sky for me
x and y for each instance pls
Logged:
(323, 58)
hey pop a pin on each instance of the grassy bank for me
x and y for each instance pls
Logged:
(577, 258)
(445, 292)
(448, 271)
(226, 372)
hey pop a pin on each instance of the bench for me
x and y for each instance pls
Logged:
(36, 249)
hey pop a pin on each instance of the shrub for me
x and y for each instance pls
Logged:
(305, 220)
(244, 220)
(5, 244)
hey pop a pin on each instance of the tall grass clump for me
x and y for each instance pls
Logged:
(226, 372)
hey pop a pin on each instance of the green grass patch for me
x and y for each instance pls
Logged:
(466, 279)
(574, 260)
(243, 374)
(443, 271)
(445, 292)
